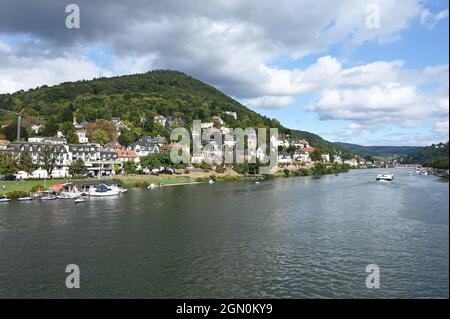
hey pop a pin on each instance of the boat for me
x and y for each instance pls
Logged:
(409, 173)
(256, 182)
(211, 181)
(103, 190)
(25, 199)
(385, 177)
(4, 199)
(68, 195)
(48, 197)
(79, 200)
(152, 186)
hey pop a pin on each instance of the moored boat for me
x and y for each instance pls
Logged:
(5, 199)
(103, 190)
(25, 199)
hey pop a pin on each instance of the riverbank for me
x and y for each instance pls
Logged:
(15, 189)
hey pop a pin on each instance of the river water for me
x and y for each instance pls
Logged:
(305, 237)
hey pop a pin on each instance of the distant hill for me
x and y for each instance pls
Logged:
(435, 155)
(137, 99)
(381, 152)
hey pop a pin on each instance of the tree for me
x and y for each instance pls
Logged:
(100, 137)
(8, 163)
(316, 155)
(126, 137)
(69, 132)
(49, 159)
(129, 167)
(106, 126)
(26, 163)
(77, 168)
(156, 160)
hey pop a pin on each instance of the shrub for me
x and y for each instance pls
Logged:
(17, 194)
(37, 188)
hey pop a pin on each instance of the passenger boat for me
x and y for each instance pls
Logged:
(79, 200)
(385, 177)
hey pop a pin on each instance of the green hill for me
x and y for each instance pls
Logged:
(381, 152)
(435, 155)
(136, 99)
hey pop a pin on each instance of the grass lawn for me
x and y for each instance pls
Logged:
(26, 185)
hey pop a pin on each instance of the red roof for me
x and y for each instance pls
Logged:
(57, 187)
(309, 149)
(126, 153)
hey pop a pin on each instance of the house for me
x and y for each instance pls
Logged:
(47, 140)
(4, 144)
(37, 151)
(36, 128)
(325, 158)
(284, 158)
(127, 155)
(161, 120)
(309, 150)
(147, 145)
(82, 136)
(232, 114)
(113, 146)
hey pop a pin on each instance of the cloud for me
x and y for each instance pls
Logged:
(430, 20)
(229, 44)
(270, 102)
(24, 72)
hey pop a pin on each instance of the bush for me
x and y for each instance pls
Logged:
(286, 172)
(220, 169)
(16, 194)
(37, 188)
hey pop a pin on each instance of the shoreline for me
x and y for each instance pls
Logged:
(16, 189)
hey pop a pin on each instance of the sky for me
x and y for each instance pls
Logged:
(372, 72)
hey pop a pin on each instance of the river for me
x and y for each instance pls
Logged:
(302, 237)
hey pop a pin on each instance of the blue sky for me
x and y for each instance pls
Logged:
(313, 65)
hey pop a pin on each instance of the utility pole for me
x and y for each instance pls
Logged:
(19, 121)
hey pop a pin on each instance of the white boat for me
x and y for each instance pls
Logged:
(79, 200)
(68, 195)
(256, 182)
(103, 190)
(25, 199)
(4, 199)
(152, 186)
(48, 197)
(385, 177)
(211, 181)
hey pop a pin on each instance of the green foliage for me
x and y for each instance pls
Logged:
(69, 132)
(49, 159)
(16, 194)
(8, 163)
(129, 167)
(428, 154)
(37, 188)
(156, 160)
(26, 163)
(440, 163)
(100, 136)
(127, 137)
(77, 168)
(380, 152)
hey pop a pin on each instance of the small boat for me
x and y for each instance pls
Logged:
(152, 186)
(25, 199)
(256, 182)
(79, 200)
(211, 181)
(4, 199)
(385, 177)
(409, 173)
(48, 197)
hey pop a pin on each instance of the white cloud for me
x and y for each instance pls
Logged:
(430, 20)
(270, 102)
